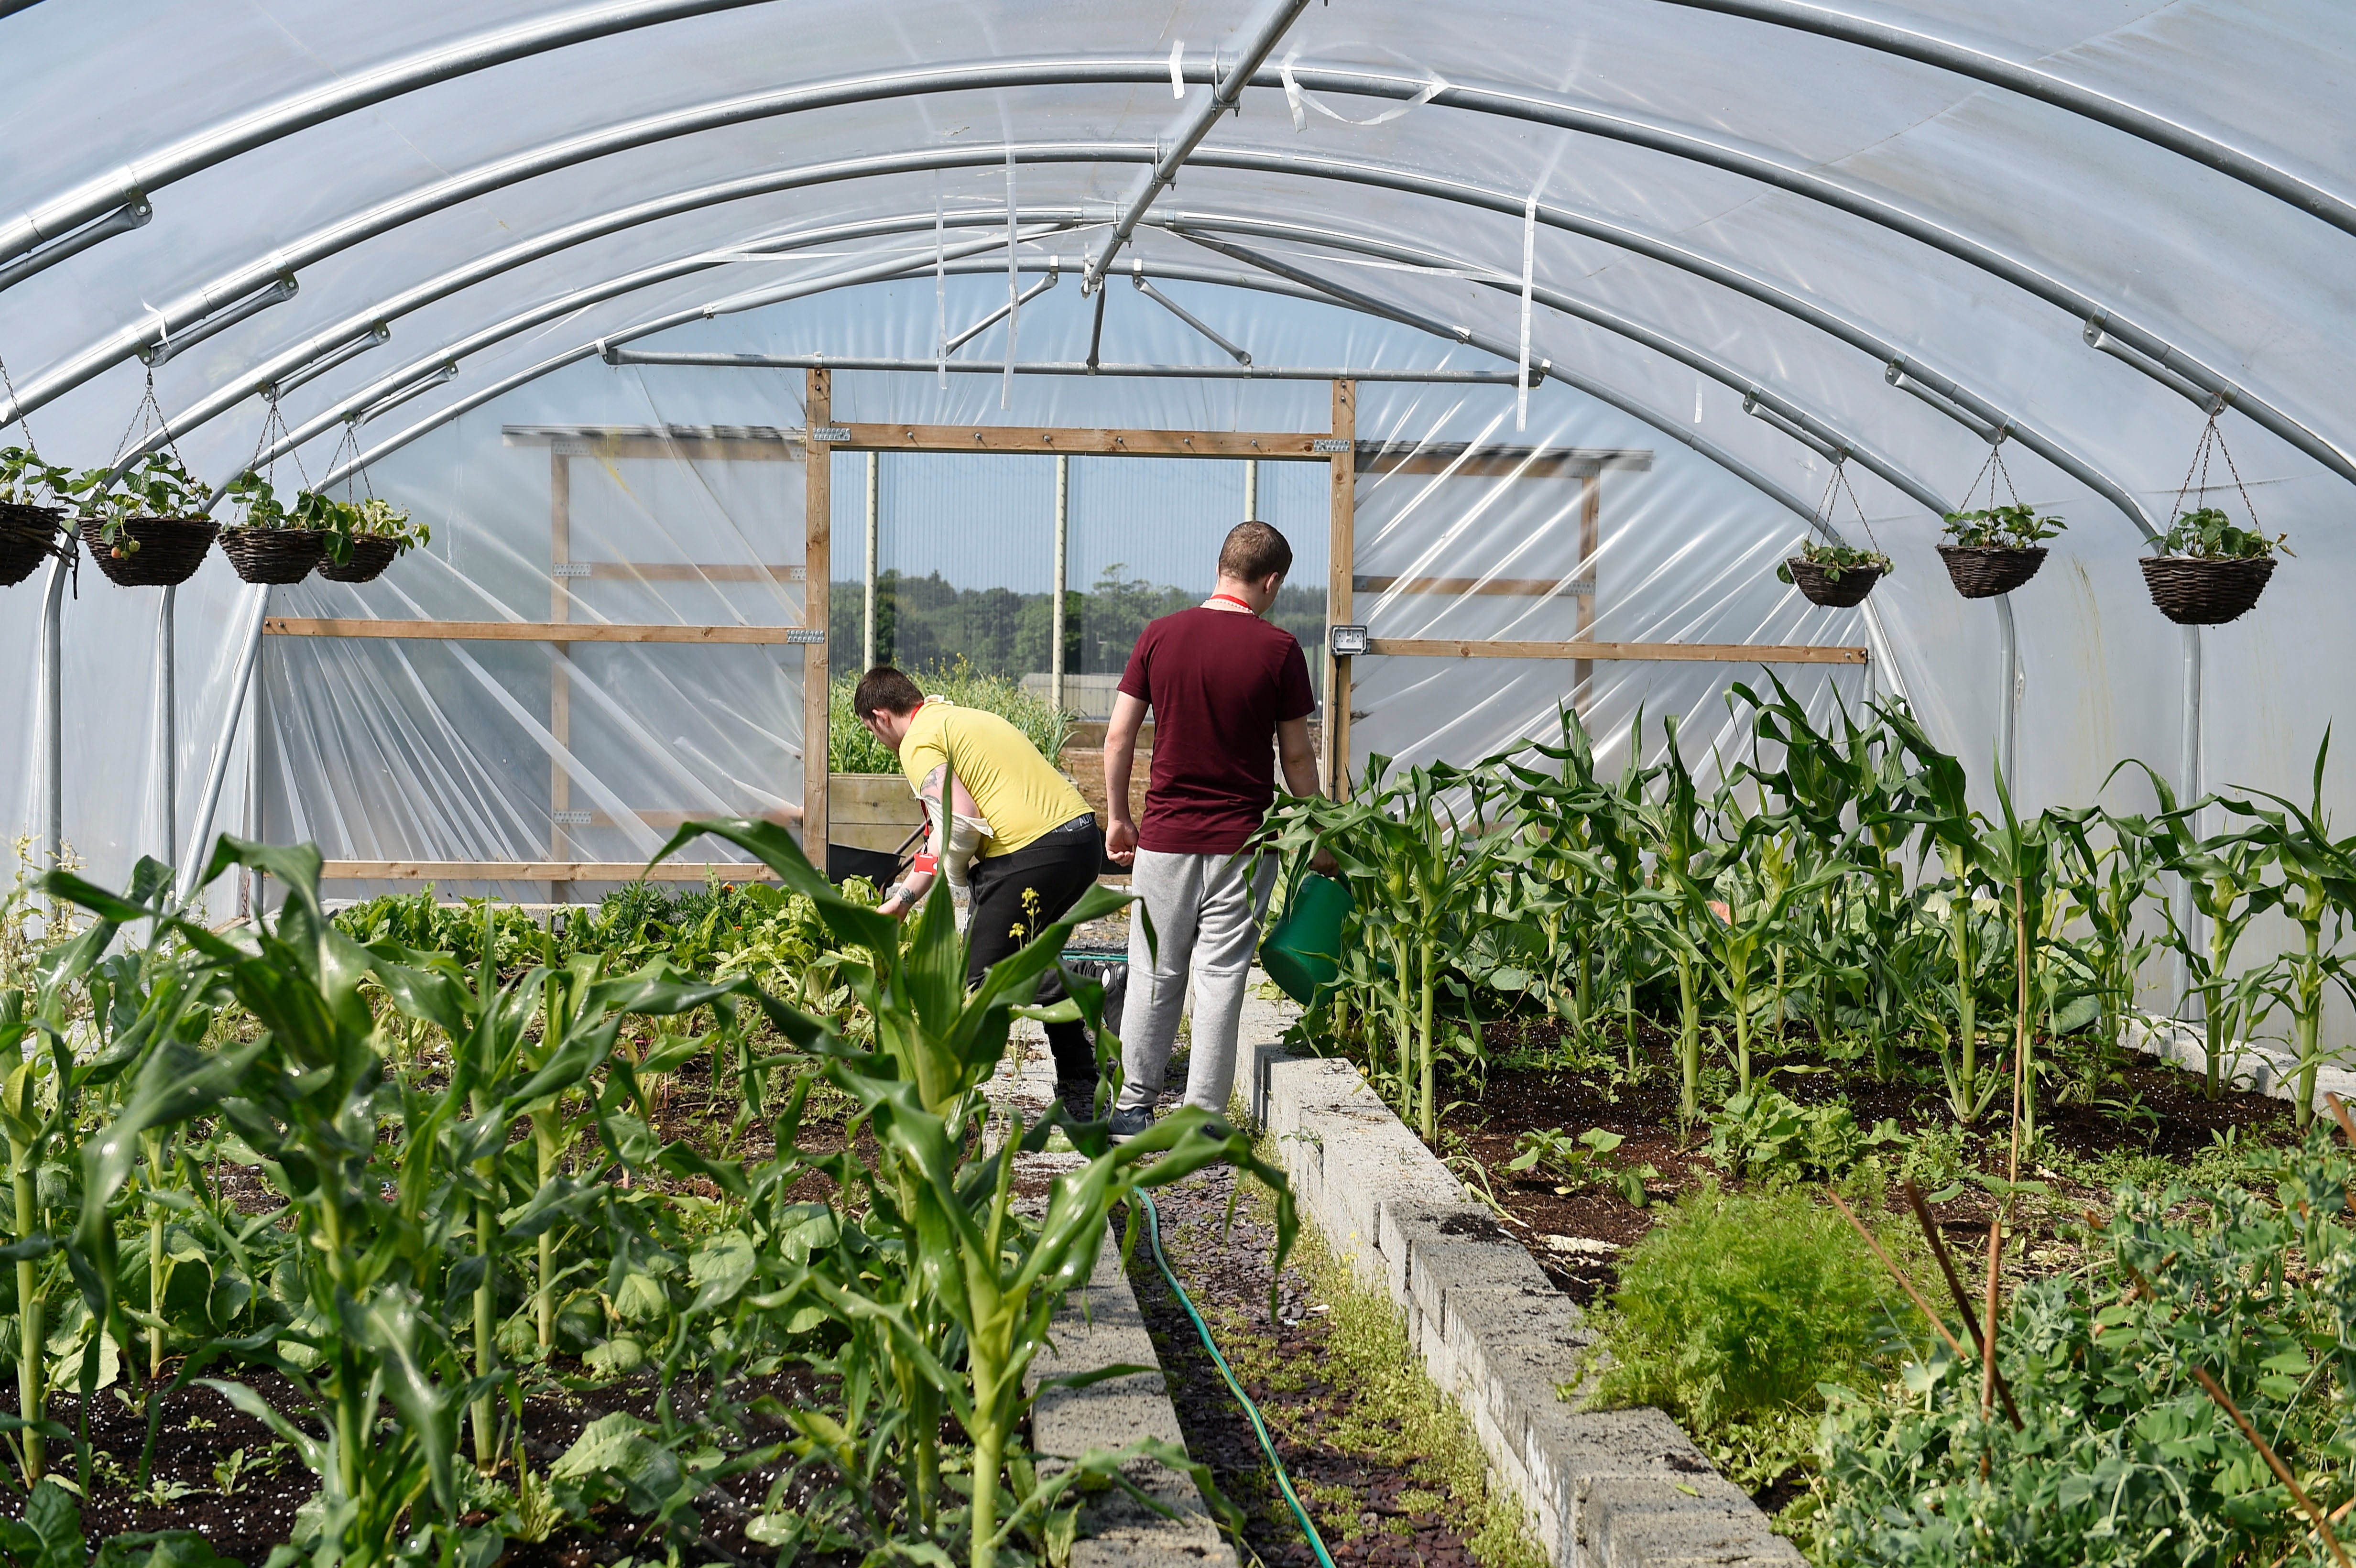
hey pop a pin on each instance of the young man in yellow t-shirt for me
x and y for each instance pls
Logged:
(1040, 847)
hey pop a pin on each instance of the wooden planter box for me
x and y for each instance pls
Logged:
(871, 811)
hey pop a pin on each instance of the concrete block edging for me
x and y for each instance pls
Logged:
(1619, 1488)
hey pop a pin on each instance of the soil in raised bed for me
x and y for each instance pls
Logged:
(2144, 1106)
(244, 1512)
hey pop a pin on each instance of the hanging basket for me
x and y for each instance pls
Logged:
(370, 554)
(170, 550)
(1983, 571)
(274, 555)
(1817, 585)
(29, 536)
(2192, 591)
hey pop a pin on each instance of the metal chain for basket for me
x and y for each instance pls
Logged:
(276, 421)
(1989, 471)
(1823, 517)
(352, 441)
(2212, 437)
(148, 417)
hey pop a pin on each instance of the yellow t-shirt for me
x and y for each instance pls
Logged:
(1018, 792)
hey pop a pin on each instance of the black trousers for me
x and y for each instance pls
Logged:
(1053, 871)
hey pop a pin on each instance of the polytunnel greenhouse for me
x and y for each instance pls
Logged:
(1610, 839)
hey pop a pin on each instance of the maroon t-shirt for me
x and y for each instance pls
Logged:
(1219, 682)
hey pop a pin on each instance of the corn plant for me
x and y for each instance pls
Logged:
(1676, 913)
(2224, 874)
(2315, 886)
(978, 1276)
(1952, 829)
(309, 1095)
(2106, 886)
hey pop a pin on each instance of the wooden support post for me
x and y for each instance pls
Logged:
(559, 673)
(1590, 542)
(1340, 550)
(818, 489)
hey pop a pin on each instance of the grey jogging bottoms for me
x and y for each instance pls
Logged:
(1205, 910)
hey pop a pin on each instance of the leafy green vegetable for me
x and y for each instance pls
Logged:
(1836, 559)
(2016, 526)
(1733, 1310)
(2209, 534)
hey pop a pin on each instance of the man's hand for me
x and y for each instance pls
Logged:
(1121, 842)
(896, 908)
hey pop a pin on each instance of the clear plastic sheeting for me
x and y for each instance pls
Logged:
(1752, 244)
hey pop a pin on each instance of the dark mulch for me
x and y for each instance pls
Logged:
(244, 1512)
(2144, 1106)
(1227, 1273)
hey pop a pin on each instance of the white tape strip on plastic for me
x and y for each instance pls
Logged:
(1177, 68)
(940, 293)
(1300, 101)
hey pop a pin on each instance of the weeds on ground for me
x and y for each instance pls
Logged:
(1394, 1415)
(2230, 1160)
(1765, 1136)
(1734, 1309)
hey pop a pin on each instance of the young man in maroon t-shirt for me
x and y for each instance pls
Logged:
(1229, 694)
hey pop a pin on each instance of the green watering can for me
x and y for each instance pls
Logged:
(1301, 955)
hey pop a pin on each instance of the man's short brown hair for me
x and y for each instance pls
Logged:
(885, 690)
(1254, 552)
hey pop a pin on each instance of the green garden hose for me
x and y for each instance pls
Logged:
(1266, 1444)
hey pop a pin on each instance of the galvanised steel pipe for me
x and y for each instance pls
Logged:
(132, 339)
(53, 715)
(132, 214)
(1801, 425)
(192, 863)
(1981, 65)
(1252, 43)
(308, 354)
(1664, 423)
(648, 211)
(1789, 417)
(1911, 375)
(192, 155)
(1824, 439)
(2164, 354)
(2152, 355)
(1056, 367)
(167, 720)
(1667, 425)
(343, 408)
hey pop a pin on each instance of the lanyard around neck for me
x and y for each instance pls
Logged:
(1239, 604)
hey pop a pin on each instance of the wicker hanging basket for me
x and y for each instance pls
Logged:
(1817, 585)
(274, 555)
(170, 550)
(29, 536)
(2192, 591)
(370, 554)
(1983, 571)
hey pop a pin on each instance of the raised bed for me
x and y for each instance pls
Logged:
(1603, 1487)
